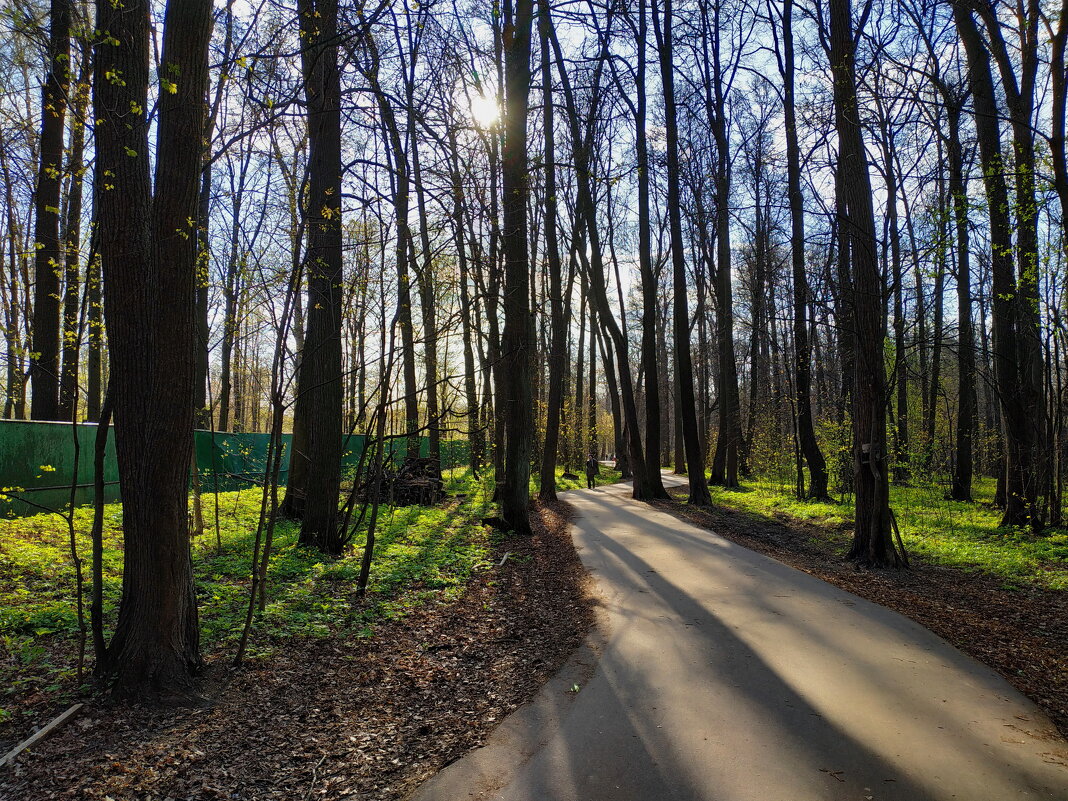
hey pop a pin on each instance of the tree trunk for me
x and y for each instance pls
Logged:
(730, 441)
(558, 324)
(475, 432)
(817, 465)
(655, 373)
(94, 325)
(427, 306)
(320, 380)
(872, 543)
(202, 408)
(48, 257)
(902, 453)
(586, 211)
(68, 380)
(699, 495)
(962, 469)
(148, 248)
(930, 407)
(1018, 471)
(516, 347)
(401, 187)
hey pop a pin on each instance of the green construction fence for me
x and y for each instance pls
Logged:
(37, 462)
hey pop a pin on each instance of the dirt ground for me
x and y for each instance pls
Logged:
(371, 719)
(1022, 634)
(339, 718)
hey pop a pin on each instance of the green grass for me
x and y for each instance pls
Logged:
(952, 533)
(422, 554)
(461, 480)
(607, 476)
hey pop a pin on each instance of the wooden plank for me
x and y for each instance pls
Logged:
(40, 735)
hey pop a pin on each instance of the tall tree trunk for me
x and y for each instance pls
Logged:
(580, 379)
(231, 292)
(94, 325)
(427, 305)
(666, 388)
(558, 324)
(68, 380)
(654, 373)
(200, 301)
(516, 345)
(1018, 470)
(586, 211)
(872, 542)
(683, 363)
(730, 442)
(401, 187)
(320, 380)
(14, 403)
(475, 431)
(593, 450)
(619, 435)
(148, 248)
(902, 452)
(44, 400)
(817, 465)
(1019, 94)
(930, 407)
(966, 405)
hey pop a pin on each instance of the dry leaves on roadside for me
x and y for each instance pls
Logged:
(340, 718)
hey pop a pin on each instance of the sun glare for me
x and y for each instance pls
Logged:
(485, 111)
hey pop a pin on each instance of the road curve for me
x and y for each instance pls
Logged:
(718, 674)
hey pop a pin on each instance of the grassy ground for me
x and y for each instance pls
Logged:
(944, 532)
(462, 481)
(421, 554)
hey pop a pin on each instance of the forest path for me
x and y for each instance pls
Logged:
(719, 674)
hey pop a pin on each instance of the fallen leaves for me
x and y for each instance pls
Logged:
(341, 719)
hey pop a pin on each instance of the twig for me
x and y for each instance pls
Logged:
(900, 544)
(314, 778)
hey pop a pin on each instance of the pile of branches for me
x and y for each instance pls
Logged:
(416, 482)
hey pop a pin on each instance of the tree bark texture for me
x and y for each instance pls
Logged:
(872, 543)
(148, 250)
(687, 411)
(48, 256)
(320, 368)
(516, 350)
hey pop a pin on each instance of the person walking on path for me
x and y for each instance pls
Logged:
(593, 469)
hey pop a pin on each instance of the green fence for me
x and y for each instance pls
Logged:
(37, 462)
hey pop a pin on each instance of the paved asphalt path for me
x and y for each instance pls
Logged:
(719, 674)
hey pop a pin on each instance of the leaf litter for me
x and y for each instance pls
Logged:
(341, 717)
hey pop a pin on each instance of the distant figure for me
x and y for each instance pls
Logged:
(593, 469)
